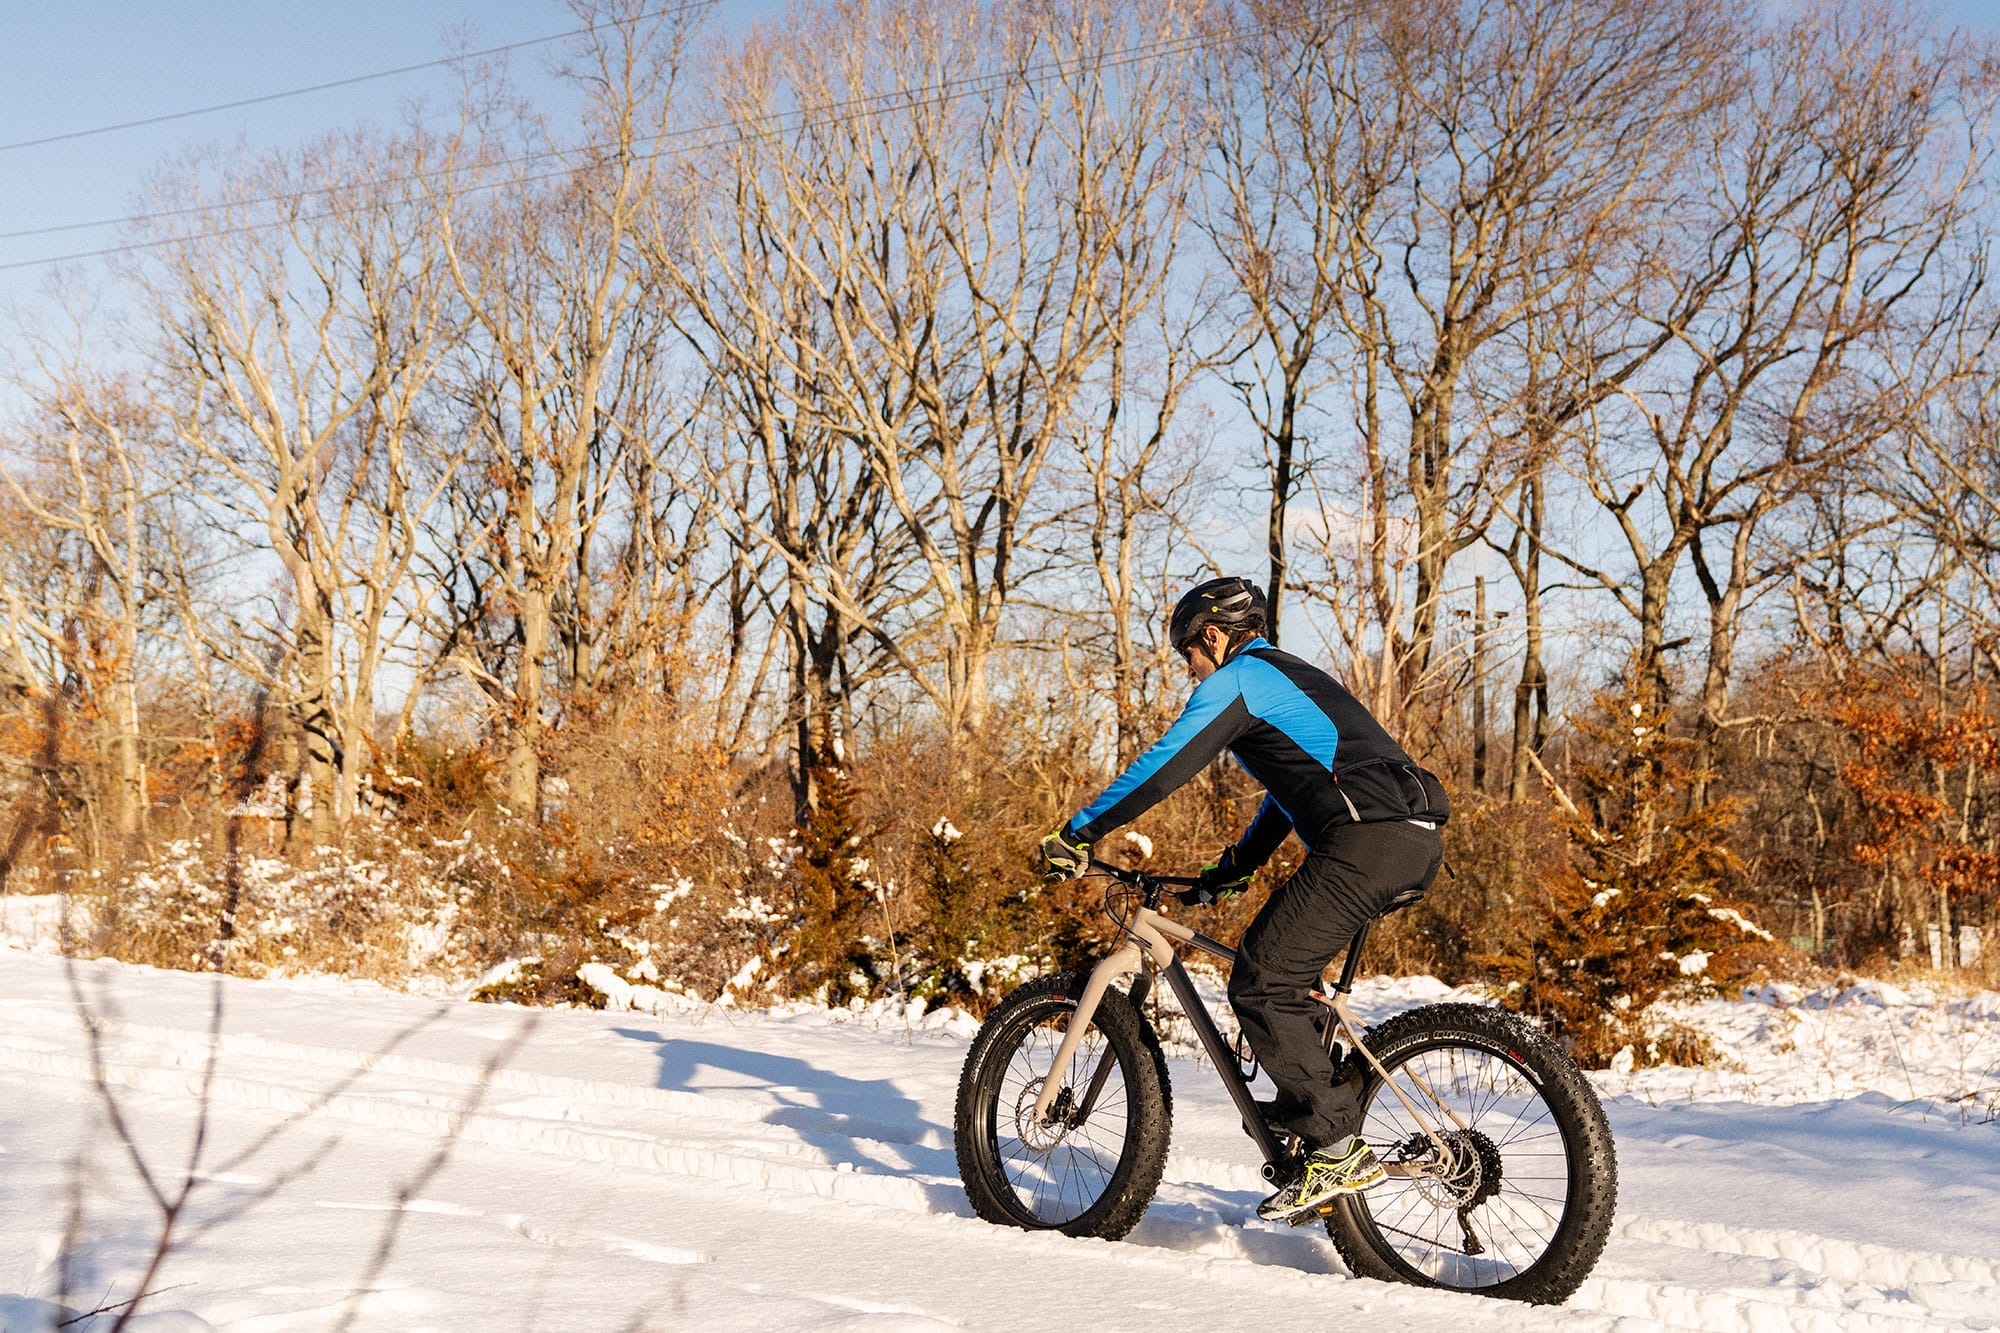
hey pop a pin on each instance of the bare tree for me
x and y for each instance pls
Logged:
(546, 271)
(89, 468)
(642, 526)
(1811, 300)
(782, 482)
(299, 350)
(1411, 186)
(1548, 124)
(1144, 474)
(40, 595)
(1135, 448)
(1290, 172)
(957, 238)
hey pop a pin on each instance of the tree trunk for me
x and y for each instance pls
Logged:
(1651, 679)
(1429, 474)
(524, 739)
(1531, 697)
(1283, 442)
(1479, 684)
(128, 803)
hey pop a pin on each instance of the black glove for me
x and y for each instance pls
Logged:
(1064, 856)
(1219, 879)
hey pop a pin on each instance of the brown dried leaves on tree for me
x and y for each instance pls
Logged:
(1643, 909)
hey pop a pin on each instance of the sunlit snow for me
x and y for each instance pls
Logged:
(403, 1162)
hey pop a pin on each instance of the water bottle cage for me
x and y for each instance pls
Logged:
(1245, 1057)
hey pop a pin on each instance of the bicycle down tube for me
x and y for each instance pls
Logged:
(1146, 945)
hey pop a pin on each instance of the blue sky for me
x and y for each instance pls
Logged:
(73, 65)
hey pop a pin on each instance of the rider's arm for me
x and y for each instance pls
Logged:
(1261, 839)
(1215, 715)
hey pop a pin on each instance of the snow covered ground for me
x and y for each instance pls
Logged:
(378, 1160)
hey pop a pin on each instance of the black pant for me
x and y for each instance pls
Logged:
(1308, 922)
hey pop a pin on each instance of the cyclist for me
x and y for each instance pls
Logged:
(1367, 815)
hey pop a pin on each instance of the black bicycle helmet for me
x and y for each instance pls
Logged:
(1237, 605)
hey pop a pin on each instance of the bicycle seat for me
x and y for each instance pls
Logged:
(1404, 899)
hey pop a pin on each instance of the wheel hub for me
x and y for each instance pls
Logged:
(1038, 1135)
(1470, 1178)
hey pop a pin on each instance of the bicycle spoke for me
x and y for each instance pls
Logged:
(1505, 1119)
(1060, 1176)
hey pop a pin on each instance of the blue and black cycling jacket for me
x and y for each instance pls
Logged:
(1321, 758)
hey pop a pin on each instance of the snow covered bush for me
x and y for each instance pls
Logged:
(381, 912)
(829, 950)
(978, 936)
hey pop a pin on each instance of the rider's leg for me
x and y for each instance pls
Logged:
(1346, 880)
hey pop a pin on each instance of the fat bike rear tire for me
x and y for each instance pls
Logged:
(1083, 1175)
(1527, 1214)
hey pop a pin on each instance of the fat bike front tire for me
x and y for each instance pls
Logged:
(1092, 1170)
(1526, 1214)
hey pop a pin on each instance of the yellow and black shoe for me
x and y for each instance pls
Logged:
(1326, 1174)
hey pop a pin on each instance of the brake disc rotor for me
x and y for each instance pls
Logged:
(1474, 1176)
(1037, 1135)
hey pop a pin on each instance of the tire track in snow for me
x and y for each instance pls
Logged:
(573, 1093)
(1187, 1217)
(1813, 1308)
(1234, 1259)
(622, 1148)
(1847, 1261)
(571, 1098)
(1836, 1285)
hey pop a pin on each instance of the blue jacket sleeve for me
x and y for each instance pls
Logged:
(1215, 715)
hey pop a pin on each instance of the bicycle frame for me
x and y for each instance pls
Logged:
(1148, 949)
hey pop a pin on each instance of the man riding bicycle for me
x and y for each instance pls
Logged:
(1369, 820)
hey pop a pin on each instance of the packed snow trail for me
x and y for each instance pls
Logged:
(529, 1169)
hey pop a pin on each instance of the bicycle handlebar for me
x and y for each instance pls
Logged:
(1141, 877)
(1150, 886)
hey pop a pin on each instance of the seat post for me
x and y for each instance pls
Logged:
(1346, 983)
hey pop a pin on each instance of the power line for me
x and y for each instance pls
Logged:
(945, 90)
(196, 210)
(263, 98)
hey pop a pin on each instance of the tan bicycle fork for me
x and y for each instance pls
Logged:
(1148, 951)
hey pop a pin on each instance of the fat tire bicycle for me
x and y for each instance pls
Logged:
(1502, 1172)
